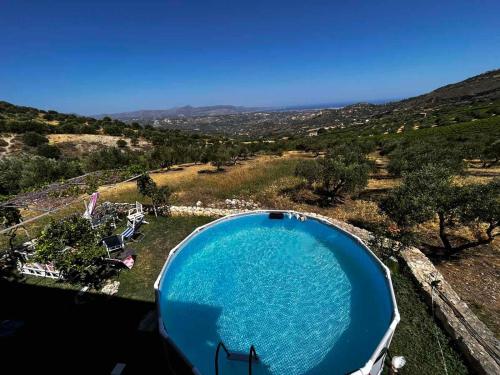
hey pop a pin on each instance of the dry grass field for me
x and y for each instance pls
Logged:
(78, 144)
(72, 145)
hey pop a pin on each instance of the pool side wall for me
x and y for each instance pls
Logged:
(372, 367)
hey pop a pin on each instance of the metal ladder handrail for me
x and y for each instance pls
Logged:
(221, 344)
(252, 351)
(251, 354)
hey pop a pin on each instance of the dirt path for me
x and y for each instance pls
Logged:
(9, 138)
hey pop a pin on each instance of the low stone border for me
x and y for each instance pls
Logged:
(205, 211)
(476, 341)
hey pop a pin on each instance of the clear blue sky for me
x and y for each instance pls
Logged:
(103, 56)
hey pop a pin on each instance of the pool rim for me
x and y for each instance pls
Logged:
(380, 350)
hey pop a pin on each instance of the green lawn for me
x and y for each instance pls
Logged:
(159, 237)
(417, 334)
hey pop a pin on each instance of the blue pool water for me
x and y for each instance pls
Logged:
(306, 295)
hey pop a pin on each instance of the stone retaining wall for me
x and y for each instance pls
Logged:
(475, 340)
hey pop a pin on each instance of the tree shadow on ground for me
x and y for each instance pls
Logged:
(374, 195)
(211, 171)
(437, 253)
(46, 329)
(313, 197)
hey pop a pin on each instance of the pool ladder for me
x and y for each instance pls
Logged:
(251, 357)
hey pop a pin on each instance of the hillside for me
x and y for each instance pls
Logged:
(475, 98)
(485, 86)
(426, 110)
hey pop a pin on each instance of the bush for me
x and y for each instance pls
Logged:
(18, 173)
(10, 169)
(121, 143)
(108, 158)
(494, 110)
(48, 151)
(34, 139)
(9, 216)
(309, 170)
(490, 154)
(67, 128)
(113, 129)
(74, 248)
(134, 141)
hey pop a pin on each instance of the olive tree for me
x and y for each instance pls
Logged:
(165, 156)
(159, 196)
(219, 157)
(429, 192)
(490, 154)
(335, 175)
(482, 206)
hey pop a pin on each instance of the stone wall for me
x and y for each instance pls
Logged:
(476, 342)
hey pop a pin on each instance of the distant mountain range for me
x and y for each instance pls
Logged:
(215, 110)
(186, 111)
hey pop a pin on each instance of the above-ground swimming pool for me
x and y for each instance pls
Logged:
(310, 298)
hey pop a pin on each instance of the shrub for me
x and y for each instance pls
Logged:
(74, 248)
(112, 129)
(34, 139)
(9, 216)
(17, 173)
(10, 169)
(48, 151)
(134, 141)
(108, 158)
(309, 170)
(121, 143)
